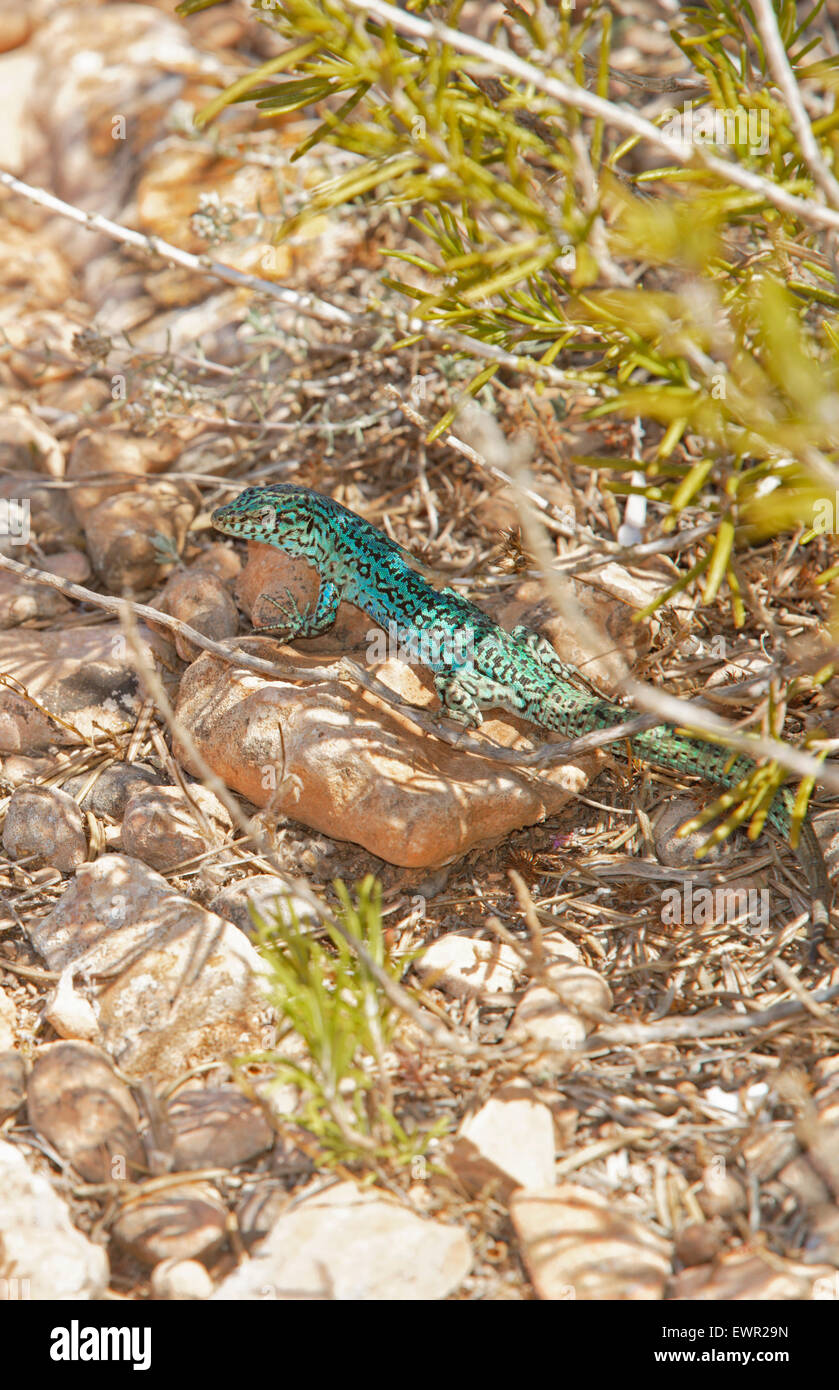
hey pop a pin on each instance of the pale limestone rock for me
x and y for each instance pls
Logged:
(44, 825)
(464, 966)
(166, 826)
(180, 1281)
(268, 896)
(42, 1255)
(27, 444)
(563, 1020)
(349, 1243)
(69, 1012)
(84, 676)
(176, 985)
(8, 1021)
(509, 1142)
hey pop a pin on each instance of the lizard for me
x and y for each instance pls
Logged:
(476, 663)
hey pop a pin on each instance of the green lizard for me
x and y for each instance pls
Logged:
(477, 664)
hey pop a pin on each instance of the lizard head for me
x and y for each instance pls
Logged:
(275, 514)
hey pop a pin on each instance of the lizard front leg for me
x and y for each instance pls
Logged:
(457, 692)
(308, 622)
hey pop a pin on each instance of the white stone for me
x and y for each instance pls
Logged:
(349, 1243)
(510, 1138)
(464, 966)
(42, 1255)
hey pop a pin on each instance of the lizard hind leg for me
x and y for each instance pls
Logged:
(546, 655)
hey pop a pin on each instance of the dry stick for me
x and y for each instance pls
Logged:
(570, 94)
(785, 78)
(306, 304)
(710, 1024)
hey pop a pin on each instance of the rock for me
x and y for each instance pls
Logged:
(822, 1243)
(29, 265)
(216, 1127)
(185, 1222)
(468, 967)
(83, 676)
(606, 602)
(124, 532)
(113, 788)
(579, 1244)
(8, 1021)
(68, 564)
(699, 1242)
(95, 170)
(76, 1102)
(12, 1084)
(822, 1137)
(26, 445)
(23, 602)
(174, 984)
(219, 559)
(721, 1193)
(69, 1012)
(40, 1248)
(349, 1243)
(198, 597)
(180, 1280)
(681, 853)
(563, 1019)
(799, 1178)
(561, 949)
(508, 1143)
(26, 500)
(344, 763)
(45, 825)
(120, 453)
(767, 1148)
(18, 769)
(268, 897)
(165, 827)
(39, 346)
(741, 1275)
(15, 28)
(18, 73)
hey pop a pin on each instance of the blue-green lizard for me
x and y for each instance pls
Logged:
(477, 664)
